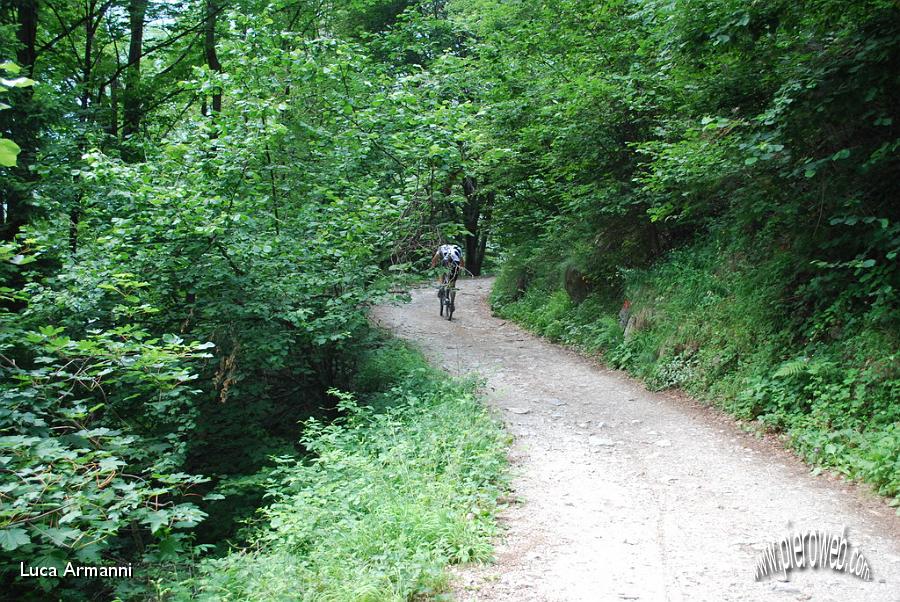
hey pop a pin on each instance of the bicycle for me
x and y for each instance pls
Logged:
(447, 291)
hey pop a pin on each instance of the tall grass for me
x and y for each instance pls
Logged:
(401, 486)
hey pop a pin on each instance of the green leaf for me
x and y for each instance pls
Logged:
(19, 82)
(10, 67)
(70, 516)
(169, 548)
(54, 558)
(59, 536)
(156, 520)
(9, 150)
(10, 539)
(841, 154)
(750, 160)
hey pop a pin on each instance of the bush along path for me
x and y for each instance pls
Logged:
(621, 493)
(403, 484)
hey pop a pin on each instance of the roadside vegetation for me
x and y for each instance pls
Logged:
(199, 201)
(404, 483)
(717, 335)
(706, 198)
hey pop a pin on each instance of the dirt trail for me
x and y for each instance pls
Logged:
(634, 495)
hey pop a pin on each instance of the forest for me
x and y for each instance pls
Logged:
(201, 200)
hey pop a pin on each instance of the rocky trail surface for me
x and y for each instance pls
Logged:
(624, 494)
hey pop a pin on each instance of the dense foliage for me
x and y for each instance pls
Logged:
(200, 199)
(199, 202)
(392, 496)
(729, 171)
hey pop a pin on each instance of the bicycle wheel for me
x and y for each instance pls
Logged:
(441, 298)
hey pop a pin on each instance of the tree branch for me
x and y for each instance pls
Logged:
(165, 43)
(67, 30)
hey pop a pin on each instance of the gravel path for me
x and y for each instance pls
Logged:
(625, 494)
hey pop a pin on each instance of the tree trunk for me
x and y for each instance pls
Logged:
(209, 46)
(476, 215)
(20, 120)
(132, 112)
(113, 125)
(27, 34)
(91, 23)
(90, 28)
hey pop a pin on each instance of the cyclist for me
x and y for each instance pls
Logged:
(451, 257)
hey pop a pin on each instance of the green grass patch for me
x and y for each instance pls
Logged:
(395, 491)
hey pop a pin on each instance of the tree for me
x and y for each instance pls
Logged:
(20, 121)
(132, 113)
(209, 47)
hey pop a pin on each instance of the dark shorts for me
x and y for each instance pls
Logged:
(452, 273)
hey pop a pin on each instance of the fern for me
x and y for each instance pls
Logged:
(792, 367)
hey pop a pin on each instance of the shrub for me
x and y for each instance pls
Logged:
(717, 327)
(389, 498)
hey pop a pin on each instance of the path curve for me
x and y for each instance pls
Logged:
(625, 494)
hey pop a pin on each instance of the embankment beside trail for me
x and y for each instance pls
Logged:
(401, 485)
(624, 493)
(712, 321)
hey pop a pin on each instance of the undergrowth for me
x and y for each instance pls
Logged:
(402, 485)
(716, 324)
